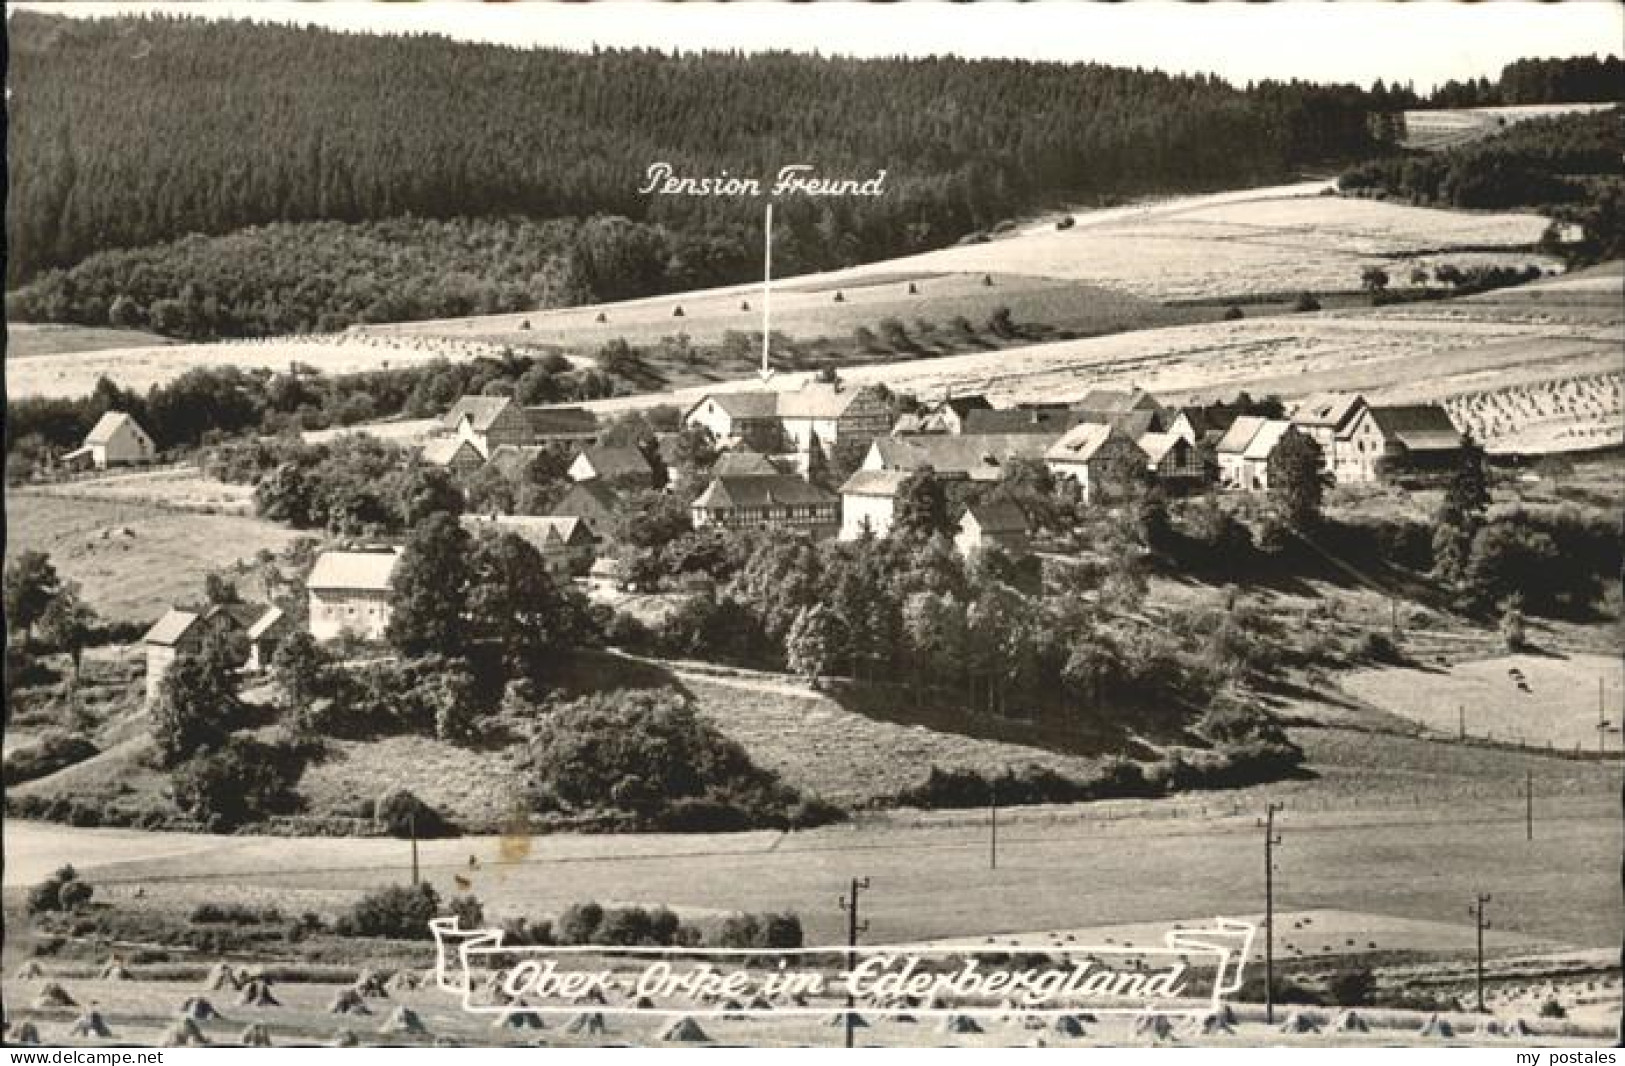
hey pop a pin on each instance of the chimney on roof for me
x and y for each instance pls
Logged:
(1037, 416)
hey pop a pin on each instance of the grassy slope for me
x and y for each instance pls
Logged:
(134, 559)
(25, 339)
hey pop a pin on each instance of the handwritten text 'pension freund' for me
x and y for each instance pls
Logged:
(797, 179)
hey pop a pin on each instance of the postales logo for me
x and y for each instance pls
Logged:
(1190, 973)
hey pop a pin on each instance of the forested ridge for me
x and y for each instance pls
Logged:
(142, 130)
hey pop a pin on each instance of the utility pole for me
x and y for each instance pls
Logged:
(992, 824)
(412, 825)
(767, 293)
(1529, 804)
(1270, 842)
(849, 904)
(1481, 923)
(1461, 721)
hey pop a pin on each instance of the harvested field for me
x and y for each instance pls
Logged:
(1436, 130)
(36, 339)
(180, 488)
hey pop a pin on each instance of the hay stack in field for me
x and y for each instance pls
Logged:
(839, 1019)
(199, 1009)
(348, 1001)
(371, 984)
(220, 977)
(1490, 1027)
(53, 996)
(684, 1030)
(113, 970)
(1299, 1022)
(1068, 1026)
(257, 993)
(1520, 1028)
(591, 997)
(255, 1035)
(404, 1020)
(1154, 1027)
(960, 1023)
(521, 1017)
(29, 971)
(25, 1033)
(405, 981)
(1226, 1014)
(91, 1024)
(590, 1023)
(760, 1002)
(1350, 1022)
(183, 1032)
(644, 1003)
(344, 1038)
(1437, 1028)
(1212, 1024)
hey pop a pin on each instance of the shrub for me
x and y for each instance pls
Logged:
(1553, 1009)
(234, 914)
(1378, 647)
(245, 781)
(402, 814)
(579, 923)
(53, 752)
(468, 911)
(1352, 988)
(62, 891)
(400, 911)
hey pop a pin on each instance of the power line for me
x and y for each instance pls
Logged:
(849, 904)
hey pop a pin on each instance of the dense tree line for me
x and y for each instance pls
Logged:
(305, 124)
(1575, 80)
(1540, 161)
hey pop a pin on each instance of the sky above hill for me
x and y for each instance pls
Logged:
(1425, 43)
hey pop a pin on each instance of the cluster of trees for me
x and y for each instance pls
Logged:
(207, 404)
(1567, 163)
(647, 756)
(1573, 80)
(549, 134)
(1552, 562)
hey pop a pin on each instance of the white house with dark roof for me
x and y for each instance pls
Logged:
(350, 591)
(493, 422)
(457, 454)
(116, 439)
(869, 502)
(1244, 451)
(992, 524)
(839, 415)
(978, 456)
(1327, 418)
(182, 632)
(618, 464)
(1387, 440)
(735, 416)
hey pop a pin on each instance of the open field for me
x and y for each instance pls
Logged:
(36, 339)
(1436, 130)
(1108, 271)
(140, 368)
(138, 1011)
(133, 560)
(181, 488)
(1533, 699)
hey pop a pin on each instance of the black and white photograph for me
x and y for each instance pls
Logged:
(814, 525)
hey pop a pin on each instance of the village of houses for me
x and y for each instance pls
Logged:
(1186, 449)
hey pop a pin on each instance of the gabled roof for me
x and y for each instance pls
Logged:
(107, 425)
(480, 410)
(266, 622)
(1332, 410)
(171, 628)
(1051, 420)
(355, 571)
(1156, 446)
(1419, 427)
(1265, 440)
(1240, 434)
(875, 482)
(781, 490)
(614, 462)
(562, 421)
(545, 532)
(1083, 442)
(1130, 423)
(741, 404)
(820, 400)
(443, 451)
(1117, 401)
(586, 499)
(996, 516)
(963, 405)
(983, 456)
(1210, 421)
(744, 464)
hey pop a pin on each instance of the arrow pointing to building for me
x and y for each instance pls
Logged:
(767, 292)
